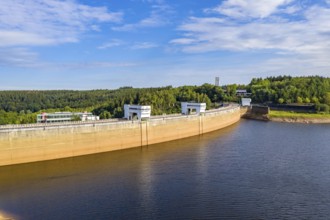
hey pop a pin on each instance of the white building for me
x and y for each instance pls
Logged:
(188, 108)
(141, 111)
(245, 101)
(65, 117)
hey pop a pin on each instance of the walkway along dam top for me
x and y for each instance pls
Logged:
(38, 142)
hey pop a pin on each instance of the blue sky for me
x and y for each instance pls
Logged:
(106, 44)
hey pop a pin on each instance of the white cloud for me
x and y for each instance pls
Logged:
(24, 58)
(298, 43)
(143, 45)
(42, 22)
(183, 41)
(310, 35)
(93, 65)
(14, 38)
(112, 43)
(133, 46)
(249, 8)
(158, 17)
(19, 57)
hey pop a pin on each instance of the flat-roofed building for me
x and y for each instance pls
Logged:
(188, 108)
(65, 117)
(242, 93)
(245, 101)
(141, 111)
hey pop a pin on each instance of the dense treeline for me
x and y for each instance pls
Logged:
(23, 106)
(20, 107)
(287, 90)
(34, 101)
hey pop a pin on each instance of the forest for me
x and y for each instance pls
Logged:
(287, 90)
(21, 107)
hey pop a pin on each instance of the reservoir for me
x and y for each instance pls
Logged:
(250, 170)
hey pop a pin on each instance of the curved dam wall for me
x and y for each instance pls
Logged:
(22, 144)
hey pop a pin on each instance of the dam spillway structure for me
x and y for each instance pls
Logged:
(140, 111)
(48, 141)
(188, 108)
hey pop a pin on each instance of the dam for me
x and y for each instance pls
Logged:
(39, 142)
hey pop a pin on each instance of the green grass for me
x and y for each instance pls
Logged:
(285, 114)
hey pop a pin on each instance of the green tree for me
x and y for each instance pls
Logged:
(67, 109)
(118, 112)
(322, 108)
(327, 98)
(299, 100)
(75, 117)
(231, 90)
(315, 100)
(105, 114)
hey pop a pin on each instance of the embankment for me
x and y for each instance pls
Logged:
(265, 114)
(256, 113)
(299, 117)
(301, 120)
(22, 144)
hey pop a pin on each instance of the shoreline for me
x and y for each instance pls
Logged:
(288, 119)
(258, 117)
(300, 120)
(294, 117)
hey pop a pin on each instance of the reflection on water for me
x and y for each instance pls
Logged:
(252, 170)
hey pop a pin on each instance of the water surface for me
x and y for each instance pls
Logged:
(251, 170)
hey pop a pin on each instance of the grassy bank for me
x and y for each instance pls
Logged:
(285, 116)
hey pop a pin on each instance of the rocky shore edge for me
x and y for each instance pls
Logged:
(300, 120)
(258, 117)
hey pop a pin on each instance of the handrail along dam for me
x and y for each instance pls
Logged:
(38, 142)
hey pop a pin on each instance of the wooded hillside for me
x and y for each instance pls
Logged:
(23, 106)
(19, 107)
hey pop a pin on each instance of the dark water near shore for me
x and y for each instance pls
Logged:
(251, 170)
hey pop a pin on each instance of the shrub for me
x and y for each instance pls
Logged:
(322, 108)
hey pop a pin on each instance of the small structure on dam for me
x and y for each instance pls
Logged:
(66, 117)
(246, 102)
(189, 107)
(141, 111)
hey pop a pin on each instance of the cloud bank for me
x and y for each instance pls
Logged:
(274, 25)
(48, 22)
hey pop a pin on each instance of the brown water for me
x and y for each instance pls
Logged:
(252, 170)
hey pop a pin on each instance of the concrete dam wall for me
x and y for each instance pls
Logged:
(23, 144)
